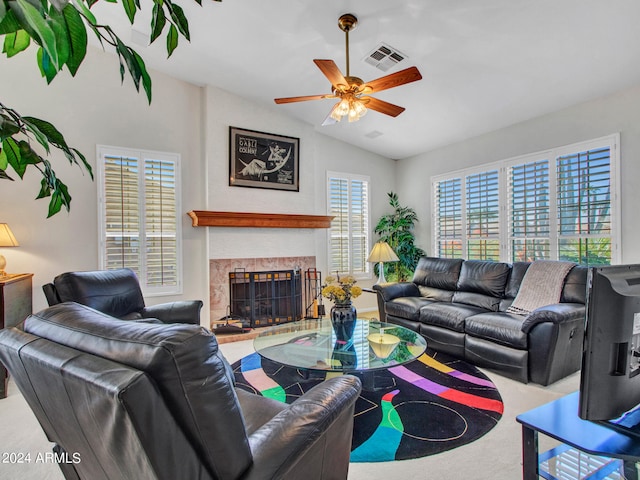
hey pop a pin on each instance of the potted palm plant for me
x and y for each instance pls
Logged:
(397, 229)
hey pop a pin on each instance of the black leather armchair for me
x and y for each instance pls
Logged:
(125, 400)
(117, 293)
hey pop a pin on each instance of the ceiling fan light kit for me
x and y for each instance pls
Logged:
(352, 92)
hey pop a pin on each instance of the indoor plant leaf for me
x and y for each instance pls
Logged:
(180, 21)
(172, 40)
(15, 42)
(12, 151)
(8, 126)
(9, 23)
(4, 163)
(57, 23)
(146, 79)
(77, 37)
(31, 17)
(158, 21)
(47, 69)
(130, 9)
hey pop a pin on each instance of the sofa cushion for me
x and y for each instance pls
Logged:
(436, 294)
(575, 285)
(448, 315)
(478, 300)
(184, 361)
(500, 327)
(485, 277)
(439, 273)
(406, 307)
(518, 269)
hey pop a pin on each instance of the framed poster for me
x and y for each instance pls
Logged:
(263, 160)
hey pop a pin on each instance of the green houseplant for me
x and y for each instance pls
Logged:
(59, 28)
(397, 229)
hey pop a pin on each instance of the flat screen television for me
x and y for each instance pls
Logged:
(610, 377)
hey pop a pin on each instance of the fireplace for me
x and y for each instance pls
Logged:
(265, 298)
(219, 269)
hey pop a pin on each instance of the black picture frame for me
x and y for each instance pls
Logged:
(263, 160)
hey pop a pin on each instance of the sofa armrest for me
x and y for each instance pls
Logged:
(324, 417)
(389, 291)
(556, 313)
(187, 311)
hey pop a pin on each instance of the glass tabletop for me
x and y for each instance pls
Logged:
(361, 345)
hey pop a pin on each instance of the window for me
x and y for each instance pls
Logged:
(558, 204)
(529, 212)
(348, 203)
(483, 224)
(139, 222)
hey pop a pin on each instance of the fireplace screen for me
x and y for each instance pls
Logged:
(261, 299)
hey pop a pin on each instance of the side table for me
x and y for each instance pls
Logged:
(559, 420)
(15, 306)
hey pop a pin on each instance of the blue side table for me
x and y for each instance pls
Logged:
(559, 420)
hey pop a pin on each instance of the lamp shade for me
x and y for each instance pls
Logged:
(6, 236)
(382, 252)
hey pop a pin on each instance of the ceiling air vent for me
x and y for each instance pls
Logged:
(384, 57)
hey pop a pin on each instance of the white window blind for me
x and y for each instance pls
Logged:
(558, 204)
(584, 206)
(448, 201)
(529, 214)
(483, 210)
(139, 213)
(348, 203)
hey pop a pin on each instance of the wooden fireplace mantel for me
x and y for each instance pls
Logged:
(205, 218)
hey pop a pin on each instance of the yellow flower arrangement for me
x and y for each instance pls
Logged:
(341, 290)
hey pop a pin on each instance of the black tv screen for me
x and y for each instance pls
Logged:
(610, 377)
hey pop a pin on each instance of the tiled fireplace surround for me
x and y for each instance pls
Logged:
(219, 276)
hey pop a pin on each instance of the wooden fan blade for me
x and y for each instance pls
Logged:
(299, 99)
(383, 107)
(332, 72)
(407, 75)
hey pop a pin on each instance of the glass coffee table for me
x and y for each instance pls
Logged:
(361, 348)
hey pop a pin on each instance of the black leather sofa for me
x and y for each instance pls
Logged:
(117, 293)
(460, 307)
(126, 400)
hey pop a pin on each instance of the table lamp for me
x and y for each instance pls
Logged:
(380, 253)
(6, 240)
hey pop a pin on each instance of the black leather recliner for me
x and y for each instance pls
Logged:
(117, 293)
(132, 400)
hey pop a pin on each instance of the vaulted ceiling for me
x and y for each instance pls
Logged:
(486, 64)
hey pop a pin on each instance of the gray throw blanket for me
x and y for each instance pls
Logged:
(542, 285)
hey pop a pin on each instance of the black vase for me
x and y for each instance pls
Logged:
(343, 321)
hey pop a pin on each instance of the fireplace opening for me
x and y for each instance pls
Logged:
(260, 299)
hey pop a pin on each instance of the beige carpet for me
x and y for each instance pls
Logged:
(496, 456)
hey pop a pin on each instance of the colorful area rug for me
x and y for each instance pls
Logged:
(434, 404)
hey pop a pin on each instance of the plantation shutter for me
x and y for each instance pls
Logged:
(483, 216)
(140, 226)
(359, 226)
(584, 206)
(448, 219)
(122, 214)
(160, 222)
(348, 203)
(529, 212)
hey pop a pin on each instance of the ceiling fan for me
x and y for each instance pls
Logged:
(353, 92)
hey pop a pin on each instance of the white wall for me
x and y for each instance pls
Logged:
(94, 108)
(590, 120)
(318, 153)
